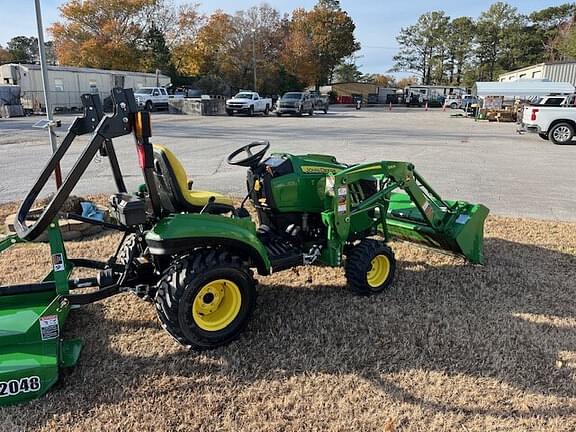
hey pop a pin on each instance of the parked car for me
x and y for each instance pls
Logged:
(248, 103)
(296, 103)
(320, 102)
(554, 123)
(151, 98)
(453, 101)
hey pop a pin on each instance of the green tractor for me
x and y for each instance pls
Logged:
(192, 253)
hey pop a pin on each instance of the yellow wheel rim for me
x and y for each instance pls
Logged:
(379, 272)
(216, 305)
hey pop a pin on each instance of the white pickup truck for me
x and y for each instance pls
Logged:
(248, 103)
(552, 118)
(150, 98)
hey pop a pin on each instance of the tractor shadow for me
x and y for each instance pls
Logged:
(510, 320)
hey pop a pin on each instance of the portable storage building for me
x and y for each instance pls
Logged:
(67, 84)
(557, 72)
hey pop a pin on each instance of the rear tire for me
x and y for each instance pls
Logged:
(267, 110)
(311, 112)
(543, 136)
(205, 300)
(453, 105)
(370, 267)
(561, 133)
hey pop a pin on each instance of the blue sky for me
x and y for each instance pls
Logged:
(377, 21)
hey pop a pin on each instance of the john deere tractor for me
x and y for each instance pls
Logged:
(193, 253)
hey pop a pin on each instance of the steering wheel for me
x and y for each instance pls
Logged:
(253, 158)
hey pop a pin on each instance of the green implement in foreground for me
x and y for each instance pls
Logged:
(194, 253)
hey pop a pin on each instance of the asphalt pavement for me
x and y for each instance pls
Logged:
(514, 175)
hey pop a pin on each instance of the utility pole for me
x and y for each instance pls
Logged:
(254, 55)
(45, 87)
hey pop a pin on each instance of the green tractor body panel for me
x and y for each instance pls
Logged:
(303, 190)
(182, 232)
(32, 350)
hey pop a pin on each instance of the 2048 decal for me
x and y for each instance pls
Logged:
(17, 386)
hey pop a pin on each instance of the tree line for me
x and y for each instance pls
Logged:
(217, 51)
(442, 50)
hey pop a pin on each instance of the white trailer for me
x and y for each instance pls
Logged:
(67, 84)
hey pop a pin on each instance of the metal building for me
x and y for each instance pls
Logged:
(67, 84)
(557, 72)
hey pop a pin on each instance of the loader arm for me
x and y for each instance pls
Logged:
(404, 206)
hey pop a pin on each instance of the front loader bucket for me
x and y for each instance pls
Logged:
(31, 346)
(459, 231)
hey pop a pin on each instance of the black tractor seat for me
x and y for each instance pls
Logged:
(173, 187)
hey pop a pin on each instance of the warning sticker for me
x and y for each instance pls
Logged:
(58, 262)
(49, 327)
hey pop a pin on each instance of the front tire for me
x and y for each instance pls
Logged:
(230, 113)
(205, 300)
(370, 267)
(149, 106)
(251, 111)
(278, 114)
(453, 105)
(561, 133)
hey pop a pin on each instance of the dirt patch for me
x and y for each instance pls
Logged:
(451, 346)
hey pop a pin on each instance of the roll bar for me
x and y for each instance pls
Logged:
(104, 128)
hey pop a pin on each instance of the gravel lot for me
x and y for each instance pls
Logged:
(481, 162)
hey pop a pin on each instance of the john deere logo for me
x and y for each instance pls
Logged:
(318, 170)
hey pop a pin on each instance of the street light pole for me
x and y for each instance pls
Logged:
(254, 55)
(45, 87)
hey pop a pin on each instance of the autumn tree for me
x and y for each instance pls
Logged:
(322, 38)
(406, 82)
(381, 80)
(112, 34)
(298, 54)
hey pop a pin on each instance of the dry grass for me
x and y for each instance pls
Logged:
(450, 347)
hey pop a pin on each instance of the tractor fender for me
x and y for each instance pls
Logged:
(180, 233)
